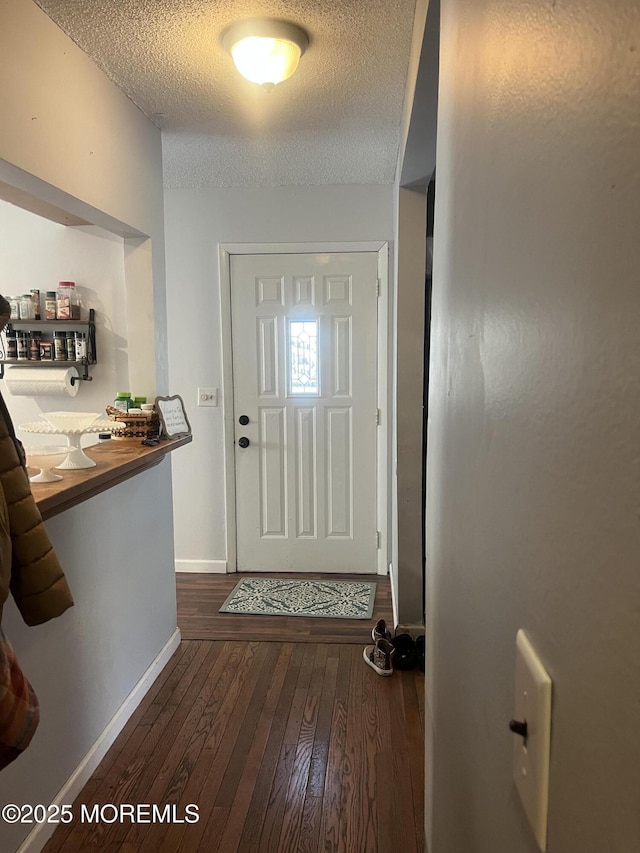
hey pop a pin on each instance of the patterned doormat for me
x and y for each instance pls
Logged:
(272, 597)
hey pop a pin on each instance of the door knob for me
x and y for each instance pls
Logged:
(244, 441)
(243, 420)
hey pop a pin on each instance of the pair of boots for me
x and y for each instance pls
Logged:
(399, 652)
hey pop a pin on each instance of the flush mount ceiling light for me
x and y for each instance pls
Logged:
(265, 50)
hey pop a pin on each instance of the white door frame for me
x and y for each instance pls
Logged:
(224, 259)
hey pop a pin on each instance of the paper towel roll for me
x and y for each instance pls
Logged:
(36, 381)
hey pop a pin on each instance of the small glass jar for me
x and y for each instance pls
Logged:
(26, 307)
(14, 304)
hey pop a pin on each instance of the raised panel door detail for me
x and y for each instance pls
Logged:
(267, 349)
(304, 333)
(337, 289)
(341, 355)
(339, 456)
(270, 290)
(273, 473)
(303, 290)
(306, 483)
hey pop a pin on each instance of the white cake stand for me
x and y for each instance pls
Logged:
(44, 459)
(76, 457)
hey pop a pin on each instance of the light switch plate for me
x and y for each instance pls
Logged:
(531, 755)
(207, 396)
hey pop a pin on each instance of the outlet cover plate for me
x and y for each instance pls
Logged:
(531, 756)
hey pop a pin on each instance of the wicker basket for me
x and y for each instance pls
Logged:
(137, 427)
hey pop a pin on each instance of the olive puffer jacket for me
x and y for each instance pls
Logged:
(29, 566)
(30, 570)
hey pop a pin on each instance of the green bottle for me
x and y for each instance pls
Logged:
(123, 401)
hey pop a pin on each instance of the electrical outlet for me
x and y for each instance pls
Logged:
(531, 752)
(207, 397)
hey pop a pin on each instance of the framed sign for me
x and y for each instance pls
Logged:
(173, 418)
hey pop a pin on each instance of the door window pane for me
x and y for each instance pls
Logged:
(303, 357)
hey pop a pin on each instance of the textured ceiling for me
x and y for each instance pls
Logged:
(337, 120)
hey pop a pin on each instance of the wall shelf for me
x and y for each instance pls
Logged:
(82, 366)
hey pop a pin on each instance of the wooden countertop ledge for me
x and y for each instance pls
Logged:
(115, 460)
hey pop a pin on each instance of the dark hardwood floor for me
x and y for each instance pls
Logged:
(200, 598)
(283, 746)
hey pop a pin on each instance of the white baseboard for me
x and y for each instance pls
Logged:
(204, 567)
(41, 833)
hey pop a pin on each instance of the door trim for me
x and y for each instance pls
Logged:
(225, 251)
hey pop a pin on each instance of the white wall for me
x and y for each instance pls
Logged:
(54, 94)
(533, 466)
(407, 563)
(38, 253)
(196, 222)
(86, 662)
(65, 124)
(68, 132)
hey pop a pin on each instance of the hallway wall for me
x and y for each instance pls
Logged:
(533, 465)
(68, 131)
(407, 561)
(196, 222)
(66, 127)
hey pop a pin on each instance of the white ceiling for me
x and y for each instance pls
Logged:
(337, 120)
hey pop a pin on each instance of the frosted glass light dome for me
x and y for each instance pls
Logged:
(265, 61)
(265, 51)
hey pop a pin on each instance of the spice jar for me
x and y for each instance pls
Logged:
(59, 346)
(14, 304)
(67, 301)
(26, 307)
(12, 344)
(46, 351)
(81, 346)
(23, 346)
(50, 305)
(35, 300)
(71, 346)
(34, 346)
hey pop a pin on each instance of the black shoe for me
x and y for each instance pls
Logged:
(405, 652)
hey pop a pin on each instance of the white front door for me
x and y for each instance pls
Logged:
(304, 336)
